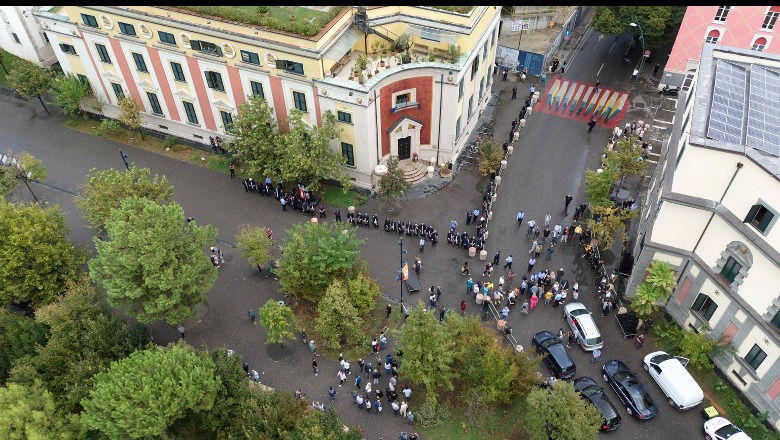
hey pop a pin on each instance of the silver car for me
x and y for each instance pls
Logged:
(581, 323)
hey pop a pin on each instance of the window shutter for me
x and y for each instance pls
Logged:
(752, 213)
(195, 44)
(768, 216)
(209, 80)
(699, 301)
(281, 64)
(710, 310)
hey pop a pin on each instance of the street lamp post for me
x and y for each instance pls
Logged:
(641, 37)
(401, 270)
(124, 159)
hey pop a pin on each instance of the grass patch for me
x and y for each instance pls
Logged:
(294, 19)
(495, 423)
(284, 12)
(181, 152)
(335, 196)
(8, 60)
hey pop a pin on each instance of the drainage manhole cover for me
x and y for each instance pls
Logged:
(639, 105)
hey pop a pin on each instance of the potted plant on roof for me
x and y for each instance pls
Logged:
(361, 63)
(375, 47)
(384, 54)
(402, 44)
(453, 55)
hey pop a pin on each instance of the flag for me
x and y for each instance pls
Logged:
(405, 271)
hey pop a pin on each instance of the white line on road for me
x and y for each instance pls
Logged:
(651, 161)
(661, 127)
(602, 66)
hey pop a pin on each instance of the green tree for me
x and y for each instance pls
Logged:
(36, 259)
(19, 338)
(29, 80)
(254, 138)
(130, 114)
(278, 321)
(338, 321)
(560, 413)
(85, 338)
(697, 346)
(153, 264)
(393, 184)
(28, 169)
(659, 23)
(625, 160)
(104, 190)
(145, 393)
(69, 91)
(3, 55)
(255, 244)
(428, 351)
(362, 291)
(316, 254)
(307, 155)
(607, 222)
(29, 412)
(490, 157)
(657, 285)
(598, 186)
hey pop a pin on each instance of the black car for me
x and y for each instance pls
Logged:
(629, 390)
(588, 389)
(559, 362)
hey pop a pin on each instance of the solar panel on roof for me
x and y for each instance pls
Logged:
(728, 103)
(763, 124)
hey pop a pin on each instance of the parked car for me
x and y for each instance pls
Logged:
(718, 428)
(675, 381)
(638, 403)
(589, 389)
(584, 327)
(556, 357)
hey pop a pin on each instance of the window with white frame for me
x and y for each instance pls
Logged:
(759, 44)
(713, 36)
(404, 99)
(705, 306)
(771, 18)
(723, 12)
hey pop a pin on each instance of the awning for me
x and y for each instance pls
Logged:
(344, 44)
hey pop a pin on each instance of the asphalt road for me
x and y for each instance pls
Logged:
(548, 162)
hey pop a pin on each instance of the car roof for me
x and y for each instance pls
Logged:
(544, 335)
(716, 423)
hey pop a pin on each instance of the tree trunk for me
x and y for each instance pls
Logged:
(142, 134)
(3, 66)
(44, 105)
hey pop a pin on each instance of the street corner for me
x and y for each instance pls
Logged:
(582, 101)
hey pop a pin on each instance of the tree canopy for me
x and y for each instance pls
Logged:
(19, 338)
(659, 24)
(69, 91)
(36, 259)
(657, 285)
(278, 321)
(393, 184)
(316, 254)
(560, 413)
(303, 154)
(29, 412)
(143, 394)
(130, 114)
(104, 190)
(490, 157)
(153, 263)
(607, 222)
(338, 321)
(598, 186)
(428, 351)
(254, 242)
(29, 80)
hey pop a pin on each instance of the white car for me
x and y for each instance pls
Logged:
(581, 323)
(718, 428)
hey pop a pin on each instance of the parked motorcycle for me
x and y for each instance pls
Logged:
(669, 91)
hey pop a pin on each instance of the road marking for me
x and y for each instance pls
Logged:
(661, 127)
(651, 161)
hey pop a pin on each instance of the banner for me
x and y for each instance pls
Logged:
(405, 271)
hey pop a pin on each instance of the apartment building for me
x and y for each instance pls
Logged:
(712, 209)
(190, 72)
(21, 35)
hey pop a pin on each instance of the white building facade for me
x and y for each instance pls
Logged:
(22, 36)
(712, 210)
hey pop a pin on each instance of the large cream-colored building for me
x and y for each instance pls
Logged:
(712, 212)
(190, 73)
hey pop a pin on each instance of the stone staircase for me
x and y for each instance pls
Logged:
(414, 172)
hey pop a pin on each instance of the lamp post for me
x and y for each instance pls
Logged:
(124, 159)
(401, 270)
(641, 37)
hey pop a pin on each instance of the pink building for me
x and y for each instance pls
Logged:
(744, 27)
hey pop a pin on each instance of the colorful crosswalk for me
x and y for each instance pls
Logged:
(571, 99)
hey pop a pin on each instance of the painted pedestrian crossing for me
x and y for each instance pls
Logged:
(581, 101)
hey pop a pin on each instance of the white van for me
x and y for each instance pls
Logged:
(675, 381)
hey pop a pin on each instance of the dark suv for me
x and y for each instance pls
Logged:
(556, 357)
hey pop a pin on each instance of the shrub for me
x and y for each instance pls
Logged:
(169, 141)
(109, 127)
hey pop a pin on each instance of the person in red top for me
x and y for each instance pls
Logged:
(463, 307)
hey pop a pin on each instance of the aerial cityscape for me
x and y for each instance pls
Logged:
(366, 222)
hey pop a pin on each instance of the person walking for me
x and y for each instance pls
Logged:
(531, 264)
(634, 75)
(180, 328)
(520, 217)
(464, 270)
(496, 258)
(550, 250)
(508, 264)
(314, 367)
(531, 226)
(422, 244)
(463, 307)
(506, 72)
(547, 220)
(409, 415)
(544, 79)
(332, 394)
(283, 202)
(514, 92)
(596, 356)
(655, 69)
(232, 168)
(469, 285)
(591, 124)
(640, 340)
(567, 201)
(252, 315)
(388, 310)
(358, 379)
(442, 312)
(532, 302)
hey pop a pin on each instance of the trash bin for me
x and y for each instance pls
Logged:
(500, 324)
(472, 251)
(314, 220)
(503, 165)
(510, 148)
(480, 298)
(519, 348)
(498, 180)
(528, 111)
(515, 136)
(522, 123)
(433, 161)
(485, 235)
(430, 171)
(493, 197)
(483, 255)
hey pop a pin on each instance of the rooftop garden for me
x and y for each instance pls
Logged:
(458, 9)
(294, 19)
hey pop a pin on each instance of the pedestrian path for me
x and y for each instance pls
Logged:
(581, 101)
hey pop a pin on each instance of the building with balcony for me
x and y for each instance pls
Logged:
(190, 71)
(712, 211)
(744, 27)
(22, 36)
